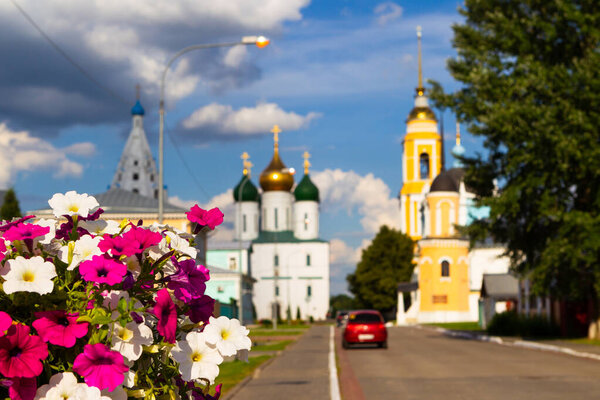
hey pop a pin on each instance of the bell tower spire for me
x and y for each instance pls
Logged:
(420, 88)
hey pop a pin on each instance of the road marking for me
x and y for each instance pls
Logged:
(333, 379)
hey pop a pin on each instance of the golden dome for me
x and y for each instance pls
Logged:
(276, 176)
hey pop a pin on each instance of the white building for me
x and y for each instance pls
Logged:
(288, 260)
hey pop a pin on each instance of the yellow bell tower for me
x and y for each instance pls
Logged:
(421, 158)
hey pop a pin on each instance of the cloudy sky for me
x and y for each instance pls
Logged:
(338, 78)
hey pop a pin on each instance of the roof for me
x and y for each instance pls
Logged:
(137, 109)
(281, 237)
(500, 286)
(249, 191)
(408, 286)
(117, 200)
(306, 190)
(449, 181)
(227, 245)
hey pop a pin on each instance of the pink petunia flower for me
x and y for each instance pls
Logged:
(165, 311)
(102, 269)
(141, 238)
(201, 309)
(188, 281)
(21, 354)
(5, 322)
(100, 366)
(198, 395)
(210, 218)
(59, 328)
(21, 388)
(118, 246)
(25, 231)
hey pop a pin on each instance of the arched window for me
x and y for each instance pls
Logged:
(445, 269)
(309, 291)
(136, 176)
(424, 165)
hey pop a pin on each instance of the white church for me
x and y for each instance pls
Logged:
(279, 229)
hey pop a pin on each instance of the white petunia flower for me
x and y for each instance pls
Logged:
(81, 250)
(65, 386)
(133, 266)
(50, 223)
(227, 335)
(100, 227)
(129, 340)
(72, 203)
(178, 243)
(129, 380)
(117, 394)
(196, 358)
(28, 275)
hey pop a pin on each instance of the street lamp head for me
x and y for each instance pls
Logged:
(259, 41)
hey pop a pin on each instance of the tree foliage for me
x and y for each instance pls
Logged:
(531, 89)
(10, 206)
(341, 302)
(384, 264)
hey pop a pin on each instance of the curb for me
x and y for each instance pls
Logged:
(517, 343)
(234, 391)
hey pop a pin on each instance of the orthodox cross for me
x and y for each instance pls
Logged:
(276, 132)
(247, 164)
(307, 164)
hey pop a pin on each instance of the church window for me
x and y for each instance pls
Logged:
(156, 193)
(233, 263)
(151, 177)
(135, 162)
(445, 269)
(308, 260)
(244, 223)
(120, 176)
(135, 190)
(276, 260)
(276, 221)
(305, 221)
(276, 290)
(136, 176)
(424, 165)
(309, 290)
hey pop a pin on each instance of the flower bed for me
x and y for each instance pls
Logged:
(94, 309)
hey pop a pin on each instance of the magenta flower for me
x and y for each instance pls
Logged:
(9, 225)
(21, 354)
(21, 388)
(200, 396)
(188, 281)
(210, 218)
(102, 269)
(100, 366)
(5, 322)
(201, 309)
(141, 238)
(165, 311)
(59, 328)
(118, 246)
(25, 231)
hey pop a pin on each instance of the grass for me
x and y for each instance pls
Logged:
(595, 342)
(272, 346)
(284, 326)
(233, 372)
(460, 326)
(278, 332)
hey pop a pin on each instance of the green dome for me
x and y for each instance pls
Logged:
(306, 190)
(249, 191)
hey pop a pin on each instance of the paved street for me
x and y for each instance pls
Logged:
(301, 372)
(423, 364)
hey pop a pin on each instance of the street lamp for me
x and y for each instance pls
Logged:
(259, 41)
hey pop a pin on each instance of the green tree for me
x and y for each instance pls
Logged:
(341, 302)
(530, 87)
(384, 264)
(10, 206)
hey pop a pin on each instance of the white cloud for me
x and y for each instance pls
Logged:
(23, 152)
(235, 56)
(341, 253)
(368, 194)
(247, 120)
(387, 12)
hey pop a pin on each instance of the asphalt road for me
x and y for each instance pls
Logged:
(423, 364)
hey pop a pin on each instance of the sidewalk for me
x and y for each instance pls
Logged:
(301, 372)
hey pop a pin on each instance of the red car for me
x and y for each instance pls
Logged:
(364, 326)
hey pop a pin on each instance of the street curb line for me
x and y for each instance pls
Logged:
(231, 394)
(517, 343)
(334, 385)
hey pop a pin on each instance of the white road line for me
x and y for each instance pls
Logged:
(333, 379)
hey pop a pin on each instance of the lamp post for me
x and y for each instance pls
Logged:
(259, 41)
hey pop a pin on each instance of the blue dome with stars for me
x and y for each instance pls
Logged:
(137, 109)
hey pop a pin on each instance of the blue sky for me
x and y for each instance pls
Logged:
(338, 77)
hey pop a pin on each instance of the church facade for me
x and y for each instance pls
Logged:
(288, 260)
(433, 200)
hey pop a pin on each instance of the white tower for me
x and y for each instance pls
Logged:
(306, 207)
(136, 171)
(245, 195)
(276, 182)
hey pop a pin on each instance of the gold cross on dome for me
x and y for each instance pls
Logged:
(307, 164)
(276, 131)
(247, 164)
